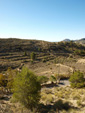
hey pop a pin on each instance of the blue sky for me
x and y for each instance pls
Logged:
(50, 20)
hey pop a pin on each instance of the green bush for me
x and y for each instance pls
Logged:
(77, 79)
(33, 56)
(25, 54)
(26, 88)
(42, 79)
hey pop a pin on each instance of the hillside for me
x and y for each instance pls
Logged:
(16, 52)
(19, 45)
(81, 41)
(66, 40)
(51, 59)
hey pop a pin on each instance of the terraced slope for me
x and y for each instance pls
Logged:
(15, 52)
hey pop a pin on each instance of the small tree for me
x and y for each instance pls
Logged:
(25, 54)
(27, 88)
(77, 79)
(33, 56)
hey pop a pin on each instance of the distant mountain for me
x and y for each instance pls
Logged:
(81, 41)
(67, 40)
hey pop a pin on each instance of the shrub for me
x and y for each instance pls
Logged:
(25, 54)
(43, 60)
(77, 79)
(27, 88)
(10, 75)
(42, 79)
(33, 56)
(49, 99)
(79, 103)
(2, 80)
(52, 79)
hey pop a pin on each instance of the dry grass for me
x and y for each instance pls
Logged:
(66, 99)
(74, 96)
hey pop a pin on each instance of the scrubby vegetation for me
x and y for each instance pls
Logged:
(77, 79)
(26, 87)
(66, 98)
(42, 79)
(33, 56)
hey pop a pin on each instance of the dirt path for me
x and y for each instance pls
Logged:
(64, 83)
(49, 85)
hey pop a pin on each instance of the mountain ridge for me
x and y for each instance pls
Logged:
(80, 41)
